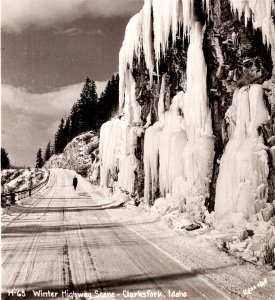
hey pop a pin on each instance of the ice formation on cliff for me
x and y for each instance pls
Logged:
(242, 180)
(116, 148)
(262, 11)
(118, 139)
(130, 48)
(118, 161)
(158, 18)
(178, 149)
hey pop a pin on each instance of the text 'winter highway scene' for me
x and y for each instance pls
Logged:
(138, 149)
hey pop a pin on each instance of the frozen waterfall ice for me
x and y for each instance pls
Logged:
(244, 168)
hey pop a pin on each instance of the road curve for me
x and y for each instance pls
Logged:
(65, 244)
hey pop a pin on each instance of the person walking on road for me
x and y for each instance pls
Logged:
(75, 182)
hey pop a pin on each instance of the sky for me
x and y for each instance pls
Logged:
(48, 48)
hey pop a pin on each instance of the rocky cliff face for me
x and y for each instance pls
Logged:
(81, 155)
(155, 70)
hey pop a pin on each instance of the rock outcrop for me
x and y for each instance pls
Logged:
(81, 155)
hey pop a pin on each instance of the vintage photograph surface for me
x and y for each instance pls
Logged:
(138, 149)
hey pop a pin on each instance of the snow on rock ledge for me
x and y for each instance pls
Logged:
(81, 155)
(13, 180)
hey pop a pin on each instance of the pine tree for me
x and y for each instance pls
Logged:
(109, 100)
(60, 139)
(5, 161)
(67, 132)
(74, 121)
(47, 153)
(39, 159)
(88, 113)
(87, 107)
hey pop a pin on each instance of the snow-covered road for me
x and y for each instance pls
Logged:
(63, 241)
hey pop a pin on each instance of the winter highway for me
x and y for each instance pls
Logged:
(63, 244)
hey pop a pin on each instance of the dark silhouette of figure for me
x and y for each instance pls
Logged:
(75, 182)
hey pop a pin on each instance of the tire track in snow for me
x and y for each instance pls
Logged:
(134, 260)
(67, 274)
(30, 249)
(13, 278)
(91, 261)
(141, 264)
(66, 271)
(8, 229)
(31, 259)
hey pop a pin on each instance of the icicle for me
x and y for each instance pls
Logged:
(151, 158)
(128, 161)
(148, 120)
(132, 108)
(161, 108)
(167, 16)
(147, 30)
(195, 105)
(207, 5)
(129, 49)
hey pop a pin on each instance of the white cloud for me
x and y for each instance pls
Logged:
(19, 14)
(30, 120)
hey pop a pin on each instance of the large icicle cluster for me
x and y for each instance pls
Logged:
(130, 48)
(242, 180)
(158, 18)
(178, 149)
(260, 12)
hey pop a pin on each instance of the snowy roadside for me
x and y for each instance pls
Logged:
(13, 180)
(196, 250)
(17, 180)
